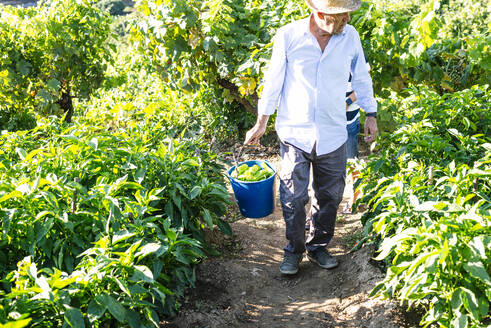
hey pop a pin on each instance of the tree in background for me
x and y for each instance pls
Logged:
(220, 44)
(45, 71)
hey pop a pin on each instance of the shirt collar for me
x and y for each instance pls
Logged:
(307, 26)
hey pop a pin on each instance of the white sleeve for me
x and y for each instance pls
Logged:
(274, 77)
(361, 80)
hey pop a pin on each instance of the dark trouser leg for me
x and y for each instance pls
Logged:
(329, 173)
(294, 182)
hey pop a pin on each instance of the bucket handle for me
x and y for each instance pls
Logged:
(237, 156)
(238, 152)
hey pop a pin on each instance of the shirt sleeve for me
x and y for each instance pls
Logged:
(274, 77)
(361, 80)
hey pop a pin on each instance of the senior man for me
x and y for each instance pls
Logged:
(307, 80)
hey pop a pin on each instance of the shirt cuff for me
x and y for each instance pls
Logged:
(266, 108)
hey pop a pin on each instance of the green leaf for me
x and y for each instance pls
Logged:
(54, 85)
(477, 270)
(224, 227)
(459, 321)
(94, 143)
(23, 67)
(470, 303)
(148, 249)
(483, 306)
(196, 191)
(133, 319)
(190, 162)
(137, 289)
(420, 259)
(377, 290)
(12, 194)
(16, 324)
(180, 256)
(74, 318)
(477, 245)
(21, 152)
(152, 317)
(389, 243)
(122, 235)
(142, 273)
(456, 300)
(50, 198)
(115, 308)
(70, 137)
(44, 97)
(62, 283)
(122, 285)
(161, 295)
(140, 175)
(207, 217)
(171, 234)
(426, 206)
(177, 200)
(169, 210)
(95, 311)
(31, 154)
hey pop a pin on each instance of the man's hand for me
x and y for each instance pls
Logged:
(352, 96)
(370, 129)
(257, 131)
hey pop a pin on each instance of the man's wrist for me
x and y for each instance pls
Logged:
(348, 101)
(371, 114)
(262, 120)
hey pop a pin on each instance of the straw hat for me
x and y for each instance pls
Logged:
(334, 6)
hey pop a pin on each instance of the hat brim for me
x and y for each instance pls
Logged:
(352, 6)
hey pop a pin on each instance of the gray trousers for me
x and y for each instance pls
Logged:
(329, 173)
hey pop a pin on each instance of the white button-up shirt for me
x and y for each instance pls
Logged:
(309, 86)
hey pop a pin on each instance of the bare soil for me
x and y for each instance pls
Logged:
(244, 288)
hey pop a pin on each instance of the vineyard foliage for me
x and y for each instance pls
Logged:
(50, 54)
(443, 44)
(222, 44)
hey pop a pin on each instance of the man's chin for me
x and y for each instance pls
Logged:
(339, 30)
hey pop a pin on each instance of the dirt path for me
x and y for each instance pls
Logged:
(244, 288)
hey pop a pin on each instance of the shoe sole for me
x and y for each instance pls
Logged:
(288, 272)
(313, 260)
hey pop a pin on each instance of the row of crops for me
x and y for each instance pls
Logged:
(103, 218)
(103, 226)
(429, 193)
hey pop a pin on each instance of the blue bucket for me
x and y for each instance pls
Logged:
(254, 198)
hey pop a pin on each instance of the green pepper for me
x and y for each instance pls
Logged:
(253, 173)
(242, 168)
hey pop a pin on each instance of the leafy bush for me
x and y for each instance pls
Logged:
(12, 120)
(222, 45)
(441, 44)
(50, 54)
(114, 7)
(429, 195)
(142, 197)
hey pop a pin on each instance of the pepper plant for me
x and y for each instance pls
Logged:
(429, 195)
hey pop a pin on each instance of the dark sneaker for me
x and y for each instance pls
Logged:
(322, 258)
(290, 263)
